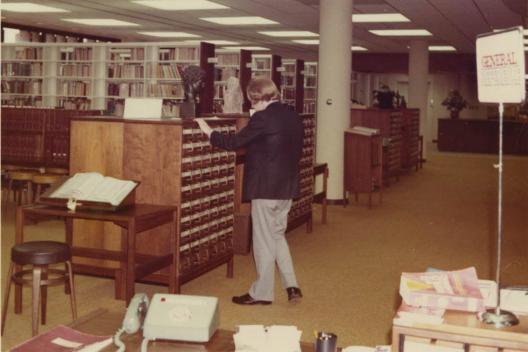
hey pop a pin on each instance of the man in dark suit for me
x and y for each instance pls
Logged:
(273, 140)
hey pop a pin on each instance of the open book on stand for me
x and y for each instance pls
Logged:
(91, 190)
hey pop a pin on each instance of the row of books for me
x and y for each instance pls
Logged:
(261, 63)
(228, 59)
(125, 71)
(171, 70)
(289, 69)
(37, 119)
(126, 89)
(74, 88)
(72, 54)
(21, 147)
(127, 54)
(24, 54)
(288, 80)
(179, 54)
(288, 93)
(19, 101)
(22, 69)
(310, 93)
(166, 90)
(22, 87)
(77, 70)
(310, 81)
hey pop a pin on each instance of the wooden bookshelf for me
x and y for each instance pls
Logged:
(292, 85)
(231, 64)
(310, 88)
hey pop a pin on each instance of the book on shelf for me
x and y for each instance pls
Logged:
(91, 190)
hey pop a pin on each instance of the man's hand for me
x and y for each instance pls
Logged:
(204, 126)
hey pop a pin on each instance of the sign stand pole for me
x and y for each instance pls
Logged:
(499, 318)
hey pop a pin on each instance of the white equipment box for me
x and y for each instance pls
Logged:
(181, 317)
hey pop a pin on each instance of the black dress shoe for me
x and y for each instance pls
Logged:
(248, 300)
(294, 294)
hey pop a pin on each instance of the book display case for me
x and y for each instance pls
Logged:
(310, 88)
(266, 65)
(228, 64)
(85, 76)
(175, 165)
(292, 86)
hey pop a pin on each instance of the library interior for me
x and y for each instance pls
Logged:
(158, 156)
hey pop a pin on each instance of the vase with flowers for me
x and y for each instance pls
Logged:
(454, 102)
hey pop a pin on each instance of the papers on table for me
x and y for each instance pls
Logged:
(276, 338)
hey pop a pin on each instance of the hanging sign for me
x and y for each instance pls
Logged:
(500, 66)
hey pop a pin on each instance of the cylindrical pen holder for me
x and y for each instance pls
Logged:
(325, 342)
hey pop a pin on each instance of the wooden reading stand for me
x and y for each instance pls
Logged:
(134, 218)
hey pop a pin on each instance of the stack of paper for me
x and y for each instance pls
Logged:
(411, 314)
(277, 338)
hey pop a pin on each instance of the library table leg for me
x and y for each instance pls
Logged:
(174, 275)
(230, 265)
(68, 223)
(19, 238)
(130, 275)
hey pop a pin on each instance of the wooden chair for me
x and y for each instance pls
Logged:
(57, 171)
(40, 254)
(43, 181)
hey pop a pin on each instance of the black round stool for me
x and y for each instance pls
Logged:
(40, 254)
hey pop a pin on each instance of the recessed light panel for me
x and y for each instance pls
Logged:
(401, 32)
(254, 48)
(379, 17)
(244, 20)
(289, 33)
(181, 5)
(441, 48)
(307, 41)
(215, 42)
(170, 34)
(29, 7)
(104, 22)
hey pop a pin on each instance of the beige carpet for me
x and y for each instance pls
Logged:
(443, 216)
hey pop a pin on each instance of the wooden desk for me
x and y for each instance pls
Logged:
(464, 328)
(103, 322)
(135, 219)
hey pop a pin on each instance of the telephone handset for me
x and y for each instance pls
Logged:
(134, 317)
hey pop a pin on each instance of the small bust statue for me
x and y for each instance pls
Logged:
(233, 98)
(192, 81)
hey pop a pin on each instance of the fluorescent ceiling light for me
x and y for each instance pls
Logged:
(401, 32)
(170, 34)
(254, 48)
(379, 17)
(181, 5)
(100, 22)
(215, 42)
(243, 20)
(307, 41)
(358, 48)
(289, 33)
(29, 7)
(441, 48)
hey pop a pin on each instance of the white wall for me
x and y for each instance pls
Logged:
(439, 86)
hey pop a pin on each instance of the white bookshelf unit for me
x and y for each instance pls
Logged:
(310, 87)
(288, 87)
(100, 75)
(230, 63)
(266, 65)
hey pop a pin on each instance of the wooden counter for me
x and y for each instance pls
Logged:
(482, 136)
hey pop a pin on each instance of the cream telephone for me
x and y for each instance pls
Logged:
(170, 317)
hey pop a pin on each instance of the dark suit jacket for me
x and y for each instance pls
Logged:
(273, 139)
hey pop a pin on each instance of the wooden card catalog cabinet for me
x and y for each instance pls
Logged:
(175, 165)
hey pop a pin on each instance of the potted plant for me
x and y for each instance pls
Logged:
(192, 77)
(454, 102)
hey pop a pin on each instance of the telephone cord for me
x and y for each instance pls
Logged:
(117, 340)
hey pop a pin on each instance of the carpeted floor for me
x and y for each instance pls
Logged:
(443, 216)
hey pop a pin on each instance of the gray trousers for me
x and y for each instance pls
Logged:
(270, 219)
